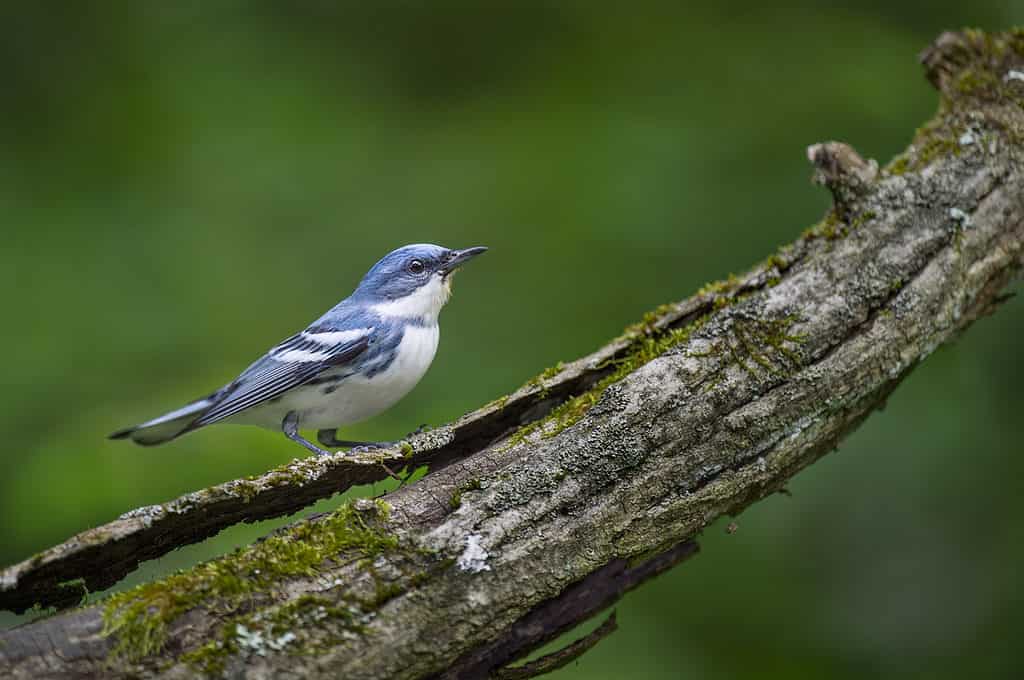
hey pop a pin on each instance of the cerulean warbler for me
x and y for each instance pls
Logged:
(352, 363)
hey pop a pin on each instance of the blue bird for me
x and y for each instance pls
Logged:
(352, 363)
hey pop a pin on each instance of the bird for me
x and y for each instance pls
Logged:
(357, 360)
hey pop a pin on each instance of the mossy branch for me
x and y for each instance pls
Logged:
(594, 476)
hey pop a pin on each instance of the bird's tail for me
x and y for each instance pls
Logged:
(166, 427)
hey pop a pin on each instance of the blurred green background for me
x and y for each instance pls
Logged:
(184, 184)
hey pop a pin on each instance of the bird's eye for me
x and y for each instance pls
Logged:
(416, 267)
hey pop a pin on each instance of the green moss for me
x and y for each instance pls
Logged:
(830, 228)
(1015, 40)
(933, 147)
(775, 334)
(647, 343)
(406, 449)
(280, 627)
(552, 371)
(648, 323)
(139, 617)
(972, 82)
(834, 227)
(211, 658)
(720, 287)
(643, 349)
(385, 592)
(76, 585)
(38, 611)
(498, 403)
(899, 165)
(455, 502)
(979, 63)
(646, 326)
(863, 217)
(537, 381)
(298, 472)
(777, 338)
(778, 262)
(932, 141)
(246, 489)
(758, 346)
(304, 609)
(751, 348)
(981, 60)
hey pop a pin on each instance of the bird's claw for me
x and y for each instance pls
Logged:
(370, 446)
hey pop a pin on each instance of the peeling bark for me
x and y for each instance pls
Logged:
(517, 533)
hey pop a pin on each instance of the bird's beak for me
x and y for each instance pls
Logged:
(459, 257)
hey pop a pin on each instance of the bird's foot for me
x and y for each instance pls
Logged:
(365, 447)
(328, 437)
(290, 427)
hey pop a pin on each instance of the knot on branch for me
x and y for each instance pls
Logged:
(972, 63)
(947, 56)
(840, 168)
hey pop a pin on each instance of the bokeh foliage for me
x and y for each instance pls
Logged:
(183, 184)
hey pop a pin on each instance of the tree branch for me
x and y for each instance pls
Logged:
(564, 656)
(543, 508)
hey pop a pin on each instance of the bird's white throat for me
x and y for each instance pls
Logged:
(424, 303)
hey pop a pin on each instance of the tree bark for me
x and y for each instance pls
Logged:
(542, 509)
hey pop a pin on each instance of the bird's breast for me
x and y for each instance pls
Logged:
(413, 356)
(375, 387)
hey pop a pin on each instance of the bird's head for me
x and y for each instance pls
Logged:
(414, 281)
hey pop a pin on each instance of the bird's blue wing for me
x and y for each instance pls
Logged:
(290, 364)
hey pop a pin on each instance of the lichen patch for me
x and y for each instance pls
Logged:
(474, 557)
